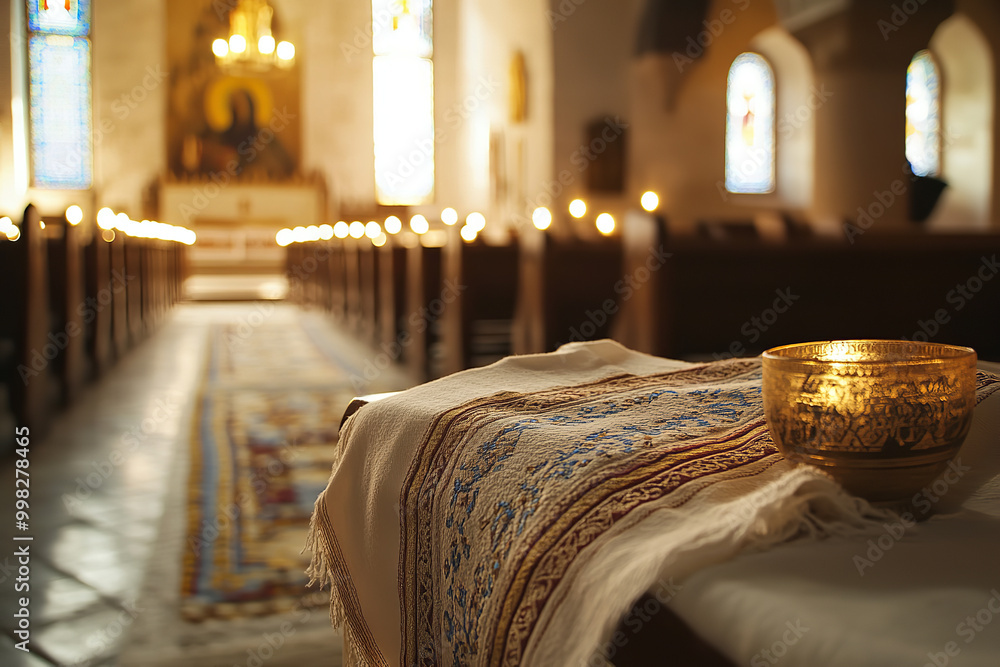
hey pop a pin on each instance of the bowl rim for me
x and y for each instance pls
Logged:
(963, 353)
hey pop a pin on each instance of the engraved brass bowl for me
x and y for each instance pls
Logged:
(882, 417)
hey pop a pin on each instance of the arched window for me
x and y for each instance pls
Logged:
(923, 115)
(750, 101)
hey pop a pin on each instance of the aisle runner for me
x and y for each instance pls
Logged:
(262, 448)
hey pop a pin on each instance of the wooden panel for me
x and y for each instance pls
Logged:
(368, 284)
(25, 327)
(97, 313)
(737, 299)
(134, 273)
(423, 266)
(478, 297)
(392, 295)
(119, 309)
(570, 291)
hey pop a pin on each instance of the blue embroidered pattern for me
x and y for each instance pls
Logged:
(519, 467)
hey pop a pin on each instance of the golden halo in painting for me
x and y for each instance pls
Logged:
(221, 97)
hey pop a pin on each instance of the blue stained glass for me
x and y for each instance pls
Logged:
(59, 17)
(923, 115)
(61, 124)
(750, 115)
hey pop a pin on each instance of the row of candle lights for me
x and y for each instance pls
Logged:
(475, 222)
(110, 222)
(9, 230)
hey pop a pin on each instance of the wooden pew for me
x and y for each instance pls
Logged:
(423, 268)
(569, 290)
(714, 300)
(73, 302)
(66, 304)
(336, 276)
(352, 285)
(24, 324)
(99, 300)
(368, 290)
(392, 287)
(309, 272)
(134, 274)
(321, 277)
(119, 297)
(477, 297)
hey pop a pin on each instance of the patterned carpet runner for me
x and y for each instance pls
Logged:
(262, 446)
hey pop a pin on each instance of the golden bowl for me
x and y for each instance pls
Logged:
(883, 417)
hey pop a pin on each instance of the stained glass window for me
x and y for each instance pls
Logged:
(59, 17)
(923, 115)
(60, 97)
(60, 111)
(403, 76)
(750, 125)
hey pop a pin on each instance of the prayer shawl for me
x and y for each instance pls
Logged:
(513, 514)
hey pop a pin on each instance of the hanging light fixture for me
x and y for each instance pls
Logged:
(251, 43)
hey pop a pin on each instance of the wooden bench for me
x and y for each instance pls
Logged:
(477, 297)
(24, 324)
(73, 302)
(567, 290)
(422, 352)
(392, 295)
(739, 298)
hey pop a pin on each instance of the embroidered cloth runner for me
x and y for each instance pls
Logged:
(512, 514)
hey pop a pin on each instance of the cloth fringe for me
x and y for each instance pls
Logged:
(352, 657)
(803, 503)
(320, 570)
(819, 508)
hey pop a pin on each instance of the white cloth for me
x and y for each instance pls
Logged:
(362, 498)
(924, 594)
(378, 444)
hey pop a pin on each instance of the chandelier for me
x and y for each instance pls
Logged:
(250, 42)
